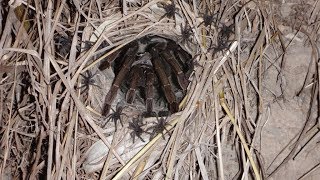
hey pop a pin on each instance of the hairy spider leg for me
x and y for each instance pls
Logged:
(136, 74)
(166, 85)
(184, 59)
(150, 78)
(129, 59)
(133, 134)
(172, 61)
(109, 59)
(182, 56)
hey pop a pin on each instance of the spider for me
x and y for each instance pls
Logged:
(208, 18)
(63, 44)
(160, 127)
(186, 33)
(225, 32)
(223, 38)
(87, 81)
(170, 9)
(150, 66)
(116, 115)
(135, 126)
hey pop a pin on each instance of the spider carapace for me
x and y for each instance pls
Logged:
(152, 70)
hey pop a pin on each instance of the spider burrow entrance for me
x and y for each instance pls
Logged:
(152, 72)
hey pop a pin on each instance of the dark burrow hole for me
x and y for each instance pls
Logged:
(153, 71)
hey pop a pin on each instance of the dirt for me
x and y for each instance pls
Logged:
(285, 111)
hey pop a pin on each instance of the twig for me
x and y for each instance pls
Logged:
(242, 139)
(220, 158)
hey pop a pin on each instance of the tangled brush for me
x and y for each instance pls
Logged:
(131, 89)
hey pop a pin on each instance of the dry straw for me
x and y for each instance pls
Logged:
(50, 128)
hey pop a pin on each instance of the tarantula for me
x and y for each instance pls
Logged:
(160, 127)
(208, 17)
(87, 81)
(186, 33)
(148, 67)
(135, 126)
(63, 44)
(170, 9)
(116, 115)
(223, 41)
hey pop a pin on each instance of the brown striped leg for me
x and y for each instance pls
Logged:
(129, 59)
(166, 85)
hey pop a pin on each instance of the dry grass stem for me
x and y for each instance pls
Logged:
(63, 64)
